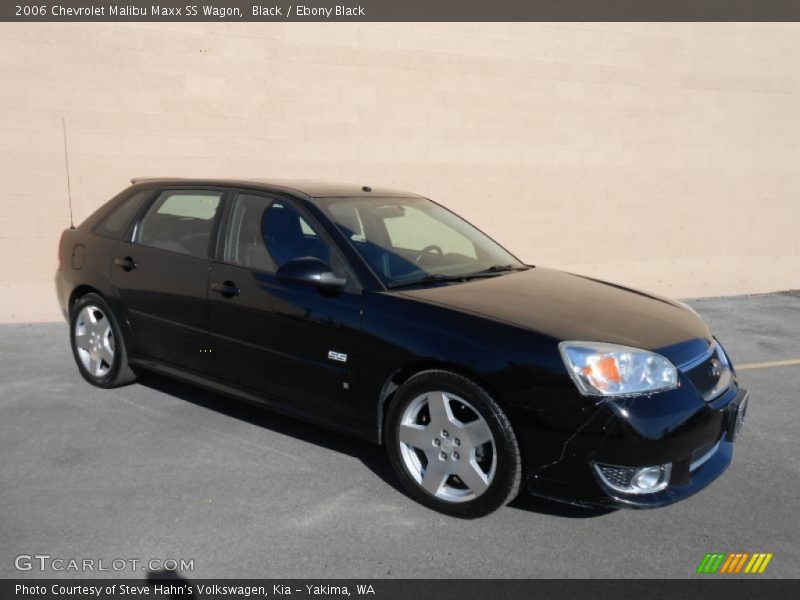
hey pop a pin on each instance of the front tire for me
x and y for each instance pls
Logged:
(97, 343)
(452, 446)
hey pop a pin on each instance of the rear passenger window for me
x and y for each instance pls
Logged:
(180, 221)
(115, 224)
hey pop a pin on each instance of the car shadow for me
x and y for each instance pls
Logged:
(372, 457)
(552, 508)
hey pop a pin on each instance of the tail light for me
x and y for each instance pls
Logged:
(58, 250)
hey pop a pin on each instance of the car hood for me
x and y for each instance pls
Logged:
(571, 307)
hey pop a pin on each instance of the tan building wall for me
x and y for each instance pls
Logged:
(663, 156)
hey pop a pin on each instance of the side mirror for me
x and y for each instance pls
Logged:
(311, 271)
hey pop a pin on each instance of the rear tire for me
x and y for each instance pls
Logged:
(97, 343)
(452, 446)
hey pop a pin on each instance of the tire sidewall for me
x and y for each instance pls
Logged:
(506, 480)
(119, 344)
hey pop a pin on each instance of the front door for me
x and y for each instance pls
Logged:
(162, 277)
(292, 343)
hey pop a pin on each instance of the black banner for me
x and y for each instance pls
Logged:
(407, 10)
(173, 587)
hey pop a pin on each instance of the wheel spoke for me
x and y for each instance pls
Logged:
(439, 409)
(100, 326)
(106, 354)
(94, 366)
(415, 436)
(435, 474)
(473, 477)
(476, 433)
(88, 316)
(82, 340)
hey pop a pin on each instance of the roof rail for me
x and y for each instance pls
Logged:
(143, 179)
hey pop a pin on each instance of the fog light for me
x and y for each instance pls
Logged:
(635, 480)
(647, 479)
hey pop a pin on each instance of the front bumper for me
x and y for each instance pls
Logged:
(675, 428)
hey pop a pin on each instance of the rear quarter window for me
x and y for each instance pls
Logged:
(115, 224)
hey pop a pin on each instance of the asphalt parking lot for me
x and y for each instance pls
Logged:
(159, 469)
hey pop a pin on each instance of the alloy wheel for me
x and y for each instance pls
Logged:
(447, 446)
(94, 341)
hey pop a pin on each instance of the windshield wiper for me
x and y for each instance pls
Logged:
(496, 269)
(440, 277)
(433, 278)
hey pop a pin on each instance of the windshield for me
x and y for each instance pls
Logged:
(409, 240)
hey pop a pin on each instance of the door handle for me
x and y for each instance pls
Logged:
(127, 263)
(226, 288)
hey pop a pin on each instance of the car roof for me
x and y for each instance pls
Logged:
(306, 187)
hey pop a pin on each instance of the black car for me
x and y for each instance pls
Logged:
(383, 315)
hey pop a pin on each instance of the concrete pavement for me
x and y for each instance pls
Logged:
(162, 470)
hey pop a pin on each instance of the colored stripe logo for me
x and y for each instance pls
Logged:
(733, 563)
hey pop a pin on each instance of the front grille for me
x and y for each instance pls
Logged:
(618, 476)
(711, 376)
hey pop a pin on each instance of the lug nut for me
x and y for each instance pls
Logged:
(437, 442)
(443, 456)
(457, 442)
(444, 433)
(455, 455)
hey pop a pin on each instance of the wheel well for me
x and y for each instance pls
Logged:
(121, 320)
(406, 372)
(79, 291)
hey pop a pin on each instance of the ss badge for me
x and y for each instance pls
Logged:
(337, 356)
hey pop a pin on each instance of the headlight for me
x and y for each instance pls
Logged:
(600, 369)
(723, 355)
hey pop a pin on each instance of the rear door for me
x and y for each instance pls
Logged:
(162, 276)
(291, 342)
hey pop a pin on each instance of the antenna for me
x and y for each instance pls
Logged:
(66, 162)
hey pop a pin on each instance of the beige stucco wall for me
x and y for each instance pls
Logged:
(663, 156)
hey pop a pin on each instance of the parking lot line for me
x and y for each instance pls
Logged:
(766, 365)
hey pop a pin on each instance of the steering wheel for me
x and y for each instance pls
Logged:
(426, 250)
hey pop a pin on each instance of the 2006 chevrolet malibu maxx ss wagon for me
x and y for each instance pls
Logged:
(384, 315)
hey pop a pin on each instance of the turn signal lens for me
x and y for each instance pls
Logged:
(600, 369)
(603, 371)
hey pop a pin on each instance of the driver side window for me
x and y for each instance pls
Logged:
(265, 233)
